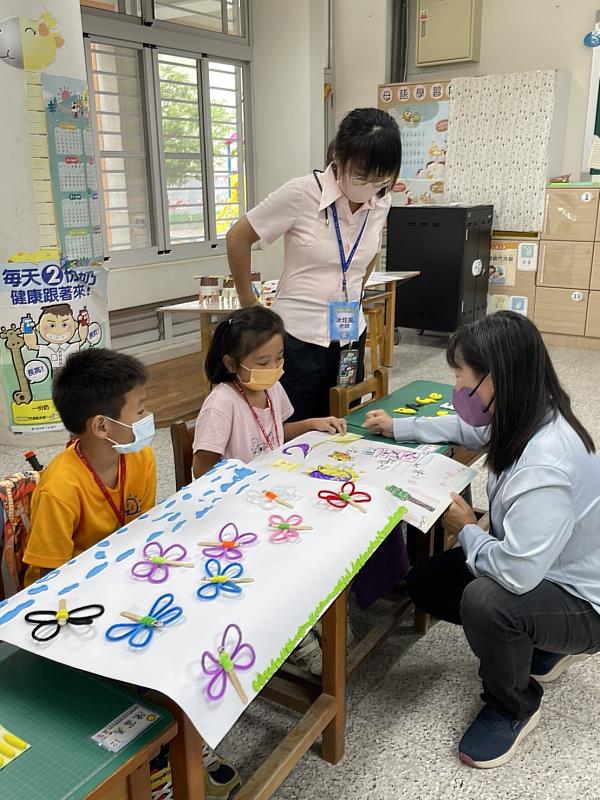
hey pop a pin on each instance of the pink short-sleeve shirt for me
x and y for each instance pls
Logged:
(312, 273)
(226, 425)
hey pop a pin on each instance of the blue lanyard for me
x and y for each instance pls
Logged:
(345, 262)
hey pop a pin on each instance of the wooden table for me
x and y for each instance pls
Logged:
(388, 296)
(211, 315)
(323, 707)
(56, 709)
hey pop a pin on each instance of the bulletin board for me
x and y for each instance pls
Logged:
(421, 111)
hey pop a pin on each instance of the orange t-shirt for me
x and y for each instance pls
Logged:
(69, 513)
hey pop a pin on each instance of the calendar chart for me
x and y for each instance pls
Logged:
(73, 169)
(421, 111)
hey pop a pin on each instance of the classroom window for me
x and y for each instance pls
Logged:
(220, 16)
(121, 145)
(170, 127)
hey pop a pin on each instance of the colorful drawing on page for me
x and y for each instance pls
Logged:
(220, 579)
(141, 629)
(333, 472)
(232, 655)
(304, 449)
(285, 465)
(48, 624)
(269, 499)
(347, 496)
(405, 496)
(230, 543)
(11, 746)
(157, 562)
(287, 530)
(340, 455)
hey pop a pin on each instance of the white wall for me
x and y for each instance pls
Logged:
(287, 87)
(361, 47)
(517, 35)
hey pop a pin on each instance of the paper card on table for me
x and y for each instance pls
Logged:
(11, 746)
(125, 728)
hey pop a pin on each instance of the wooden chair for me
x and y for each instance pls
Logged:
(375, 387)
(182, 438)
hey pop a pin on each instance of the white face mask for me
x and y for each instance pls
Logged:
(143, 434)
(356, 190)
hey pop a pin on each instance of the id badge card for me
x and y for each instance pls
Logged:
(343, 320)
(348, 368)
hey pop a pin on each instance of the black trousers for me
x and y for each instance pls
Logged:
(503, 628)
(311, 371)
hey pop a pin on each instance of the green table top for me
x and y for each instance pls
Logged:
(399, 399)
(56, 709)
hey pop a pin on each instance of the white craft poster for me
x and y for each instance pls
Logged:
(293, 585)
(420, 478)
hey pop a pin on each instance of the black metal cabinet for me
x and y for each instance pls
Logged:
(450, 246)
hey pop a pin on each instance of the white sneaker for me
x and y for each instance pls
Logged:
(308, 654)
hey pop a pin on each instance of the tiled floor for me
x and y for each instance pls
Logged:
(410, 702)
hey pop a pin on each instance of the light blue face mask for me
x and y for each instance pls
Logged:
(143, 434)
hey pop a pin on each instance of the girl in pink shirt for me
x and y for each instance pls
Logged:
(247, 411)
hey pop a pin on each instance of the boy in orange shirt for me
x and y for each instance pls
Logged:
(107, 476)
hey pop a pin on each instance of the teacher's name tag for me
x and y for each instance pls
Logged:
(343, 320)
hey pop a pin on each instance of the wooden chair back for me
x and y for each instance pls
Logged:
(375, 387)
(182, 439)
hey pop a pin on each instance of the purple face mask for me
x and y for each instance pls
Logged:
(469, 407)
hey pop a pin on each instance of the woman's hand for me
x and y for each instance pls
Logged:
(329, 425)
(379, 422)
(458, 515)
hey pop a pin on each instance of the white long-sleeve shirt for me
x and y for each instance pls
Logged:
(544, 509)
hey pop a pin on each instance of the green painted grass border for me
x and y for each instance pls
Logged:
(263, 677)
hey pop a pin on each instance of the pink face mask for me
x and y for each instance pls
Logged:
(356, 190)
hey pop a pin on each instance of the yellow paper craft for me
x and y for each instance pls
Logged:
(285, 465)
(11, 747)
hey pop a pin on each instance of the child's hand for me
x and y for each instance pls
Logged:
(458, 515)
(330, 425)
(380, 422)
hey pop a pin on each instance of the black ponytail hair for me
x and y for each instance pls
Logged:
(238, 336)
(527, 391)
(369, 140)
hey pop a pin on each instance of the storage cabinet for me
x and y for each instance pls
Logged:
(565, 265)
(561, 311)
(595, 280)
(592, 327)
(450, 247)
(447, 31)
(571, 214)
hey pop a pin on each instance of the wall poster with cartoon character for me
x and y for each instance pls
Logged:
(48, 311)
(421, 111)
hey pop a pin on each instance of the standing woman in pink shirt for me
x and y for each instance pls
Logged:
(332, 223)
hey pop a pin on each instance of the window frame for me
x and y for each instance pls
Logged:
(121, 30)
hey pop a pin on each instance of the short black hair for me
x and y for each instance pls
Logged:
(94, 381)
(239, 335)
(369, 139)
(527, 391)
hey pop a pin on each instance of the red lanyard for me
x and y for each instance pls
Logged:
(119, 513)
(256, 417)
